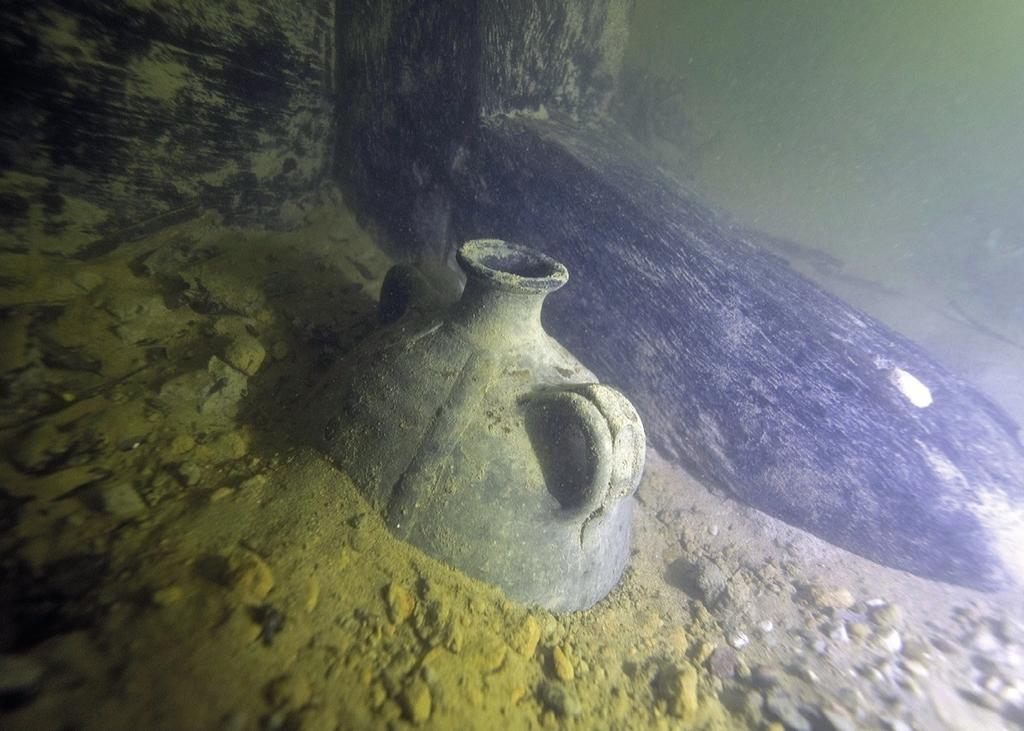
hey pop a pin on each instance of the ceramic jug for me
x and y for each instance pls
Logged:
(483, 441)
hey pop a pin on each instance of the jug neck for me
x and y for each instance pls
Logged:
(494, 315)
(505, 289)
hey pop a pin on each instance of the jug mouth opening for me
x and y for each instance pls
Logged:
(511, 267)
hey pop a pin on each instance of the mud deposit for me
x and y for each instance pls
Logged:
(174, 556)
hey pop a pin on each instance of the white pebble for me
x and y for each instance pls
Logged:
(888, 671)
(765, 625)
(738, 640)
(807, 674)
(985, 641)
(1012, 657)
(838, 633)
(891, 641)
(915, 668)
(1013, 694)
(993, 684)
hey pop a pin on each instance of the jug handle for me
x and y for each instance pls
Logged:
(615, 439)
(409, 287)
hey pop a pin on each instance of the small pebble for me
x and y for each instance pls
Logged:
(561, 665)
(722, 663)
(526, 636)
(181, 444)
(312, 593)
(703, 651)
(1014, 695)
(230, 445)
(168, 595)
(558, 699)
(805, 673)
(121, 500)
(400, 603)
(830, 597)
(890, 640)
(246, 354)
(915, 668)
(221, 493)
(190, 473)
(887, 615)
(838, 719)
(984, 641)
(279, 350)
(251, 577)
(416, 702)
(678, 687)
(764, 676)
(993, 684)
(859, 631)
(838, 633)
(712, 582)
(738, 640)
(256, 482)
(378, 694)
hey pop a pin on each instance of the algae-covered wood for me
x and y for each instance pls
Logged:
(121, 116)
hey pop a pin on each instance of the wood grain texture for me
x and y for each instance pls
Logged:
(119, 116)
(416, 75)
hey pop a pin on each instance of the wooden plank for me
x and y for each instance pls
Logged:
(115, 113)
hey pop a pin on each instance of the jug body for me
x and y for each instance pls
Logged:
(482, 440)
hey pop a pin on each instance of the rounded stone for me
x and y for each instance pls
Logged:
(246, 354)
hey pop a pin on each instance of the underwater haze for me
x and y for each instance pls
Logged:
(880, 141)
(512, 364)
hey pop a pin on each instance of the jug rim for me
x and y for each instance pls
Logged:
(511, 267)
